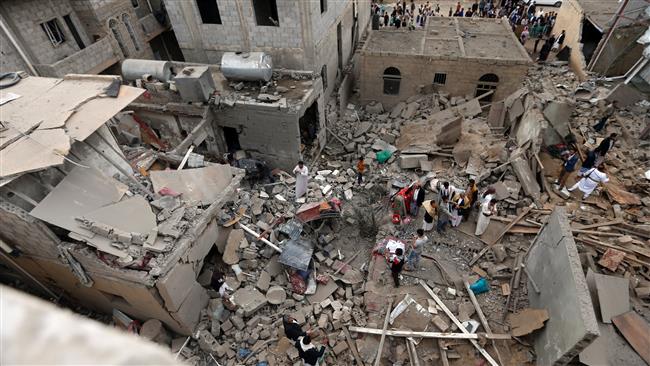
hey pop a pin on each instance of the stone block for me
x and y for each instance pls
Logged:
(249, 300)
(555, 266)
(263, 281)
(411, 161)
(188, 314)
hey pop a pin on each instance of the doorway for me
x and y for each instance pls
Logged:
(339, 46)
(231, 136)
(309, 125)
(486, 83)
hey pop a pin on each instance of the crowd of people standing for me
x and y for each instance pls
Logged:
(527, 21)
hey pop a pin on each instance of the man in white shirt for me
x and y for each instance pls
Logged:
(590, 180)
(302, 177)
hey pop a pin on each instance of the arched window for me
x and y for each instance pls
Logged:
(113, 25)
(392, 79)
(127, 22)
(486, 83)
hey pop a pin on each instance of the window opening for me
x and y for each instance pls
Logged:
(392, 80)
(53, 31)
(266, 13)
(209, 11)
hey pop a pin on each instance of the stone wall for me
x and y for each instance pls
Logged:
(416, 71)
(91, 60)
(24, 17)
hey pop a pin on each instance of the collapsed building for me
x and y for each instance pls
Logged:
(463, 57)
(79, 219)
(278, 121)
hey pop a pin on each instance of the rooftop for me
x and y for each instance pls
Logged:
(601, 12)
(445, 37)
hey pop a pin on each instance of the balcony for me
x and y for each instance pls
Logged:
(93, 59)
(151, 27)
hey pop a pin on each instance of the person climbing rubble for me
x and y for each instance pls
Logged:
(569, 165)
(396, 261)
(302, 178)
(292, 328)
(310, 354)
(590, 181)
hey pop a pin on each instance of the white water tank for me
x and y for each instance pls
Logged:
(249, 66)
(133, 69)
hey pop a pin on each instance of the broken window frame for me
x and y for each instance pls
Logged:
(271, 7)
(439, 78)
(53, 31)
(392, 80)
(209, 14)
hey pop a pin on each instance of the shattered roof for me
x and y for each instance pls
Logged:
(42, 117)
(451, 38)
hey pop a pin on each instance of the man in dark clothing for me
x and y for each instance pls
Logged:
(570, 161)
(308, 352)
(396, 264)
(606, 144)
(603, 121)
(560, 39)
(292, 329)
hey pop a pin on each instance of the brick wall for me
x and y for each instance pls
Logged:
(462, 76)
(27, 233)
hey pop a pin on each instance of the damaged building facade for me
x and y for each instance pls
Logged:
(318, 36)
(601, 36)
(462, 57)
(82, 36)
(279, 123)
(82, 222)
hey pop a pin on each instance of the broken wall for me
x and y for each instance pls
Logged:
(570, 18)
(416, 71)
(554, 265)
(621, 52)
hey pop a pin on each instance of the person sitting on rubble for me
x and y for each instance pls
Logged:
(396, 262)
(430, 208)
(308, 352)
(570, 161)
(292, 328)
(590, 181)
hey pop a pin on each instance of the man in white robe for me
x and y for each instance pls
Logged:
(590, 180)
(302, 177)
(488, 208)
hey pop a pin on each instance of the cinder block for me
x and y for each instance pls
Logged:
(189, 312)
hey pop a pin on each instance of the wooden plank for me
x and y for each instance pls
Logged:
(353, 347)
(598, 224)
(415, 361)
(458, 323)
(482, 317)
(383, 333)
(503, 232)
(443, 353)
(438, 335)
(636, 331)
(629, 257)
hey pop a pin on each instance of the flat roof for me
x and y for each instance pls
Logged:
(451, 37)
(601, 12)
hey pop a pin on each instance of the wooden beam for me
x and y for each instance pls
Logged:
(410, 344)
(458, 324)
(383, 333)
(598, 224)
(443, 353)
(482, 317)
(501, 234)
(438, 335)
(353, 347)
